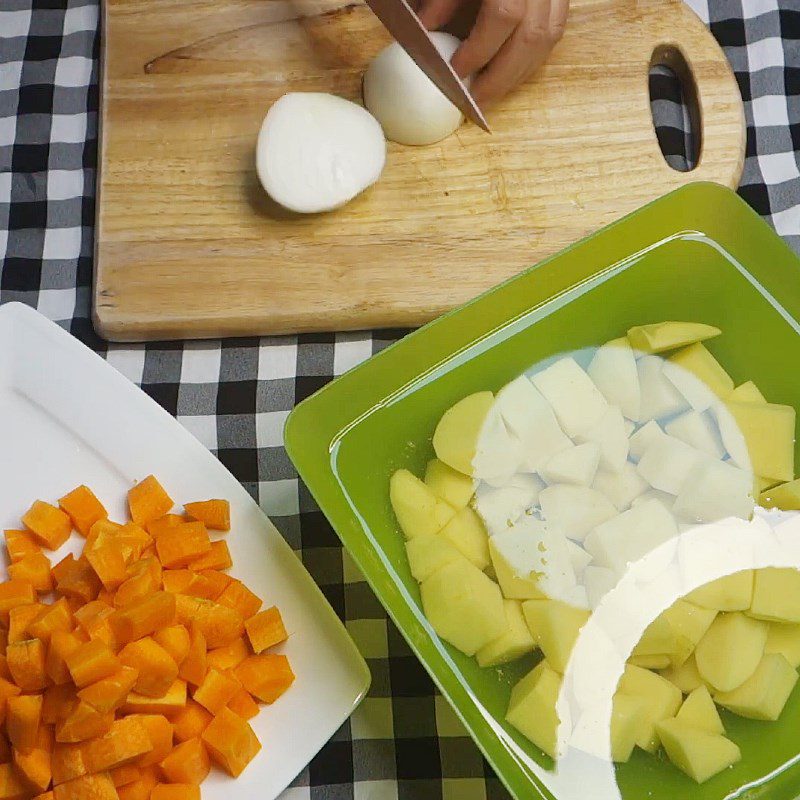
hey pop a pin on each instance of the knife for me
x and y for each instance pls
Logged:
(400, 20)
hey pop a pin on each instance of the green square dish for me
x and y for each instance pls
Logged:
(697, 254)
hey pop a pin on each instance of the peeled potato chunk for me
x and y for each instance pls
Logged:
(416, 507)
(699, 754)
(776, 595)
(730, 593)
(699, 711)
(764, 694)
(455, 488)
(628, 719)
(555, 626)
(532, 708)
(662, 700)
(516, 641)
(456, 436)
(661, 336)
(731, 650)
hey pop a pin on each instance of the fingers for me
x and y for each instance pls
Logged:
(496, 22)
(435, 13)
(523, 53)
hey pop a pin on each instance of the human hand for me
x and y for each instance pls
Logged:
(509, 41)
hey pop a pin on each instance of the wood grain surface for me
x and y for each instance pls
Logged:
(189, 246)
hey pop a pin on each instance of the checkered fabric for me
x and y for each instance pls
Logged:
(234, 396)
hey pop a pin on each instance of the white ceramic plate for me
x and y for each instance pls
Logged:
(67, 417)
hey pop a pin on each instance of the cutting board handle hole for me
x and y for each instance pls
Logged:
(675, 108)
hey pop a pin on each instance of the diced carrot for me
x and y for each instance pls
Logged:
(13, 594)
(35, 569)
(26, 663)
(84, 722)
(218, 557)
(93, 619)
(87, 787)
(59, 700)
(20, 544)
(190, 721)
(144, 578)
(62, 645)
(45, 796)
(171, 701)
(83, 508)
(184, 581)
(175, 640)
(147, 501)
(7, 691)
(127, 773)
(230, 655)
(106, 596)
(266, 676)
(23, 716)
(20, 620)
(108, 564)
(156, 668)
(63, 567)
(175, 791)
(243, 704)
(214, 514)
(265, 629)
(157, 526)
(92, 662)
(77, 579)
(129, 539)
(187, 763)
(220, 624)
(67, 762)
(99, 531)
(193, 668)
(231, 742)
(141, 789)
(216, 690)
(35, 764)
(13, 785)
(125, 741)
(108, 694)
(182, 544)
(50, 525)
(57, 617)
(159, 729)
(238, 597)
(143, 617)
(219, 581)
(5, 672)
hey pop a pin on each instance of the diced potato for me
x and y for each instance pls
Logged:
(662, 700)
(714, 490)
(689, 623)
(784, 639)
(776, 595)
(613, 370)
(499, 508)
(530, 417)
(660, 398)
(698, 711)
(532, 707)
(455, 488)
(466, 533)
(699, 754)
(577, 465)
(768, 429)
(499, 453)
(650, 662)
(416, 507)
(631, 535)
(747, 392)
(785, 496)
(463, 606)
(610, 435)
(685, 677)
(517, 560)
(428, 553)
(658, 639)
(729, 593)
(697, 430)
(621, 488)
(515, 642)
(555, 626)
(628, 719)
(661, 336)
(456, 435)
(668, 461)
(764, 694)
(697, 360)
(641, 440)
(731, 650)
(575, 510)
(578, 404)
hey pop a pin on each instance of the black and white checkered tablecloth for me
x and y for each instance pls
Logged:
(235, 395)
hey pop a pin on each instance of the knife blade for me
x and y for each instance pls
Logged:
(400, 20)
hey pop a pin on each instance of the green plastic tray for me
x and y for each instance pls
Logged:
(697, 254)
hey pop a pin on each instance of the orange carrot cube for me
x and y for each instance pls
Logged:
(157, 526)
(92, 662)
(190, 721)
(143, 617)
(243, 704)
(108, 564)
(182, 544)
(23, 715)
(175, 640)
(108, 694)
(87, 787)
(45, 796)
(50, 525)
(171, 701)
(231, 742)
(187, 763)
(144, 578)
(156, 668)
(125, 741)
(214, 514)
(265, 629)
(175, 791)
(35, 569)
(56, 617)
(83, 508)
(84, 722)
(127, 773)
(159, 729)
(13, 594)
(142, 788)
(218, 557)
(7, 691)
(62, 645)
(20, 544)
(238, 597)
(229, 656)
(67, 762)
(216, 690)
(58, 702)
(193, 668)
(26, 663)
(35, 764)
(219, 581)
(184, 581)
(20, 620)
(13, 785)
(147, 501)
(75, 578)
(265, 676)
(219, 624)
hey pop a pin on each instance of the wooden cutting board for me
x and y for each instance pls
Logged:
(189, 246)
